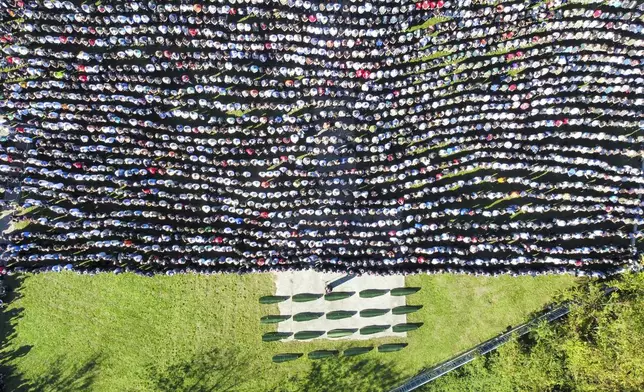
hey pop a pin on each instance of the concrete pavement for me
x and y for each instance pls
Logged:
(291, 283)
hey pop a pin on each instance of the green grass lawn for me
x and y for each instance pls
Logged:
(66, 332)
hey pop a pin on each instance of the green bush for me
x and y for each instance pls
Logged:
(406, 309)
(371, 329)
(306, 316)
(388, 348)
(373, 312)
(338, 295)
(356, 351)
(401, 291)
(272, 299)
(306, 297)
(371, 293)
(340, 314)
(340, 333)
(406, 327)
(598, 346)
(305, 335)
(275, 336)
(273, 319)
(319, 354)
(285, 357)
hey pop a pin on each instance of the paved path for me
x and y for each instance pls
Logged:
(291, 283)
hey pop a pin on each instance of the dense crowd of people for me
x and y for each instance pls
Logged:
(373, 137)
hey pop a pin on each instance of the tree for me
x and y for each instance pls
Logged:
(597, 347)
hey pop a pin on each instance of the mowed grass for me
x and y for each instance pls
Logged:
(67, 332)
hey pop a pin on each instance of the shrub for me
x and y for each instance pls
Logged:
(272, 299)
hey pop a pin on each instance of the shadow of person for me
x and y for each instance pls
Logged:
(212, 370)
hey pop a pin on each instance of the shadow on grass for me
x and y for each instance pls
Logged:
(8, 320)
(213, 370)
(345, 374)
(60, 377)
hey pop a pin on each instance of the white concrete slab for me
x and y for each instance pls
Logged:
(291, 283)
